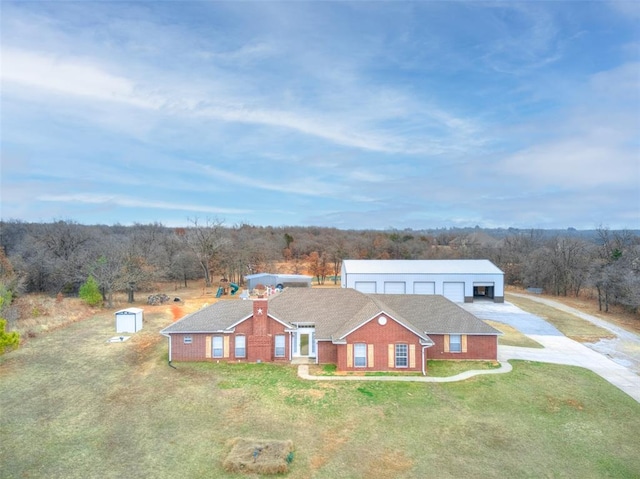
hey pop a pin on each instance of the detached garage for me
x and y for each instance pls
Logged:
(129, 320)
(461, 281)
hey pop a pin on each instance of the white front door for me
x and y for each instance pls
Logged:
(305, 342)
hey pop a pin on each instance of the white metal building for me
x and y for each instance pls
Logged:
(458, 280)
(129, 320)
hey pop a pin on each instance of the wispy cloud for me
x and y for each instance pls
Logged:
(131, 202)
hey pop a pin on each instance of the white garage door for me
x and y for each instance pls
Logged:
(366, 286)
(453, 292)
(395, 287)
(424, 287)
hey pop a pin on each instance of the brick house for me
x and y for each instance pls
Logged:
(354, 330)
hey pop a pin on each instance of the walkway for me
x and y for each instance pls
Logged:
(505, 367)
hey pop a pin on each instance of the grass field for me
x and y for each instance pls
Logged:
(74, 406)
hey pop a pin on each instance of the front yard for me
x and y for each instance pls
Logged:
(75, 406)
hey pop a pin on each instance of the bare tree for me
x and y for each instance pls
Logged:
(204, 241)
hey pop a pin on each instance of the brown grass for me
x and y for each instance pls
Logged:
(389, 465)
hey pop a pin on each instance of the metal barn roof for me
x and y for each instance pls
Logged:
(418, 266)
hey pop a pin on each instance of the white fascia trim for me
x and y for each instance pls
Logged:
(284, 323)
(233, 325)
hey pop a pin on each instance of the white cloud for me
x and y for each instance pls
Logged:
(68, 76)
(129, 202)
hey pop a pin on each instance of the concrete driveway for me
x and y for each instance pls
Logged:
(624, 349)
(558, 349)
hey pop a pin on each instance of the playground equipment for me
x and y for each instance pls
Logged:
(220, 292)
(234, 288)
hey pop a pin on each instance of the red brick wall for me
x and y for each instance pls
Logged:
(188, 352)
(327, 353)
(380, 336)
(258, 347)
(478, 348)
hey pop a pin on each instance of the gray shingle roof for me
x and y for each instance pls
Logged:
(217, 317)
(335, 312)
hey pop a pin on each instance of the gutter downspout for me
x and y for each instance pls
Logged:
(424, 361)
(168, 336)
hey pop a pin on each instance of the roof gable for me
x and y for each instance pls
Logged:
(344, 332)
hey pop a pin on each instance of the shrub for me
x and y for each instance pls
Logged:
(90, 292)
(8, 341)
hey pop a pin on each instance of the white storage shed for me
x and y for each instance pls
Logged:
(458, 280)
(129, 320)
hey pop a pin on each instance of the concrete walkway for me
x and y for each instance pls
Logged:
(505, 367)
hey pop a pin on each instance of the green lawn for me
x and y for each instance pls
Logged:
(74, 406)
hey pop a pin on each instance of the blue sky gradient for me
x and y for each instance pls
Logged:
(347, 114)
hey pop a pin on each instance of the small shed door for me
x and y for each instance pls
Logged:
(453, 292)
(125, 323)
(394, 287)
(366, 286)
(424, 287)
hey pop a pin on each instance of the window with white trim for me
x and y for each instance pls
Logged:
(455, 343)
(187, 339)
(360, 355)
(241, 347)
(402, 355)
(280, 345)
(217, 346)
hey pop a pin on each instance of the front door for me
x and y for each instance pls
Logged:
(305, 344)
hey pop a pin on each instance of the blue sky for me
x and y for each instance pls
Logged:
(347, 114)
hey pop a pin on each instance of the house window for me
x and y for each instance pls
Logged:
(455, 343)
(218, 347)
(241, 346)
(402, 356)
(360, 355)
(280, 342)
(187, 339)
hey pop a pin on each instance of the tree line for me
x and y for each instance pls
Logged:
(58, 257)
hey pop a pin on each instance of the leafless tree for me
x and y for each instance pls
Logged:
(205, 240)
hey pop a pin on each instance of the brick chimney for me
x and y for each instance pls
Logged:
(260, 317)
